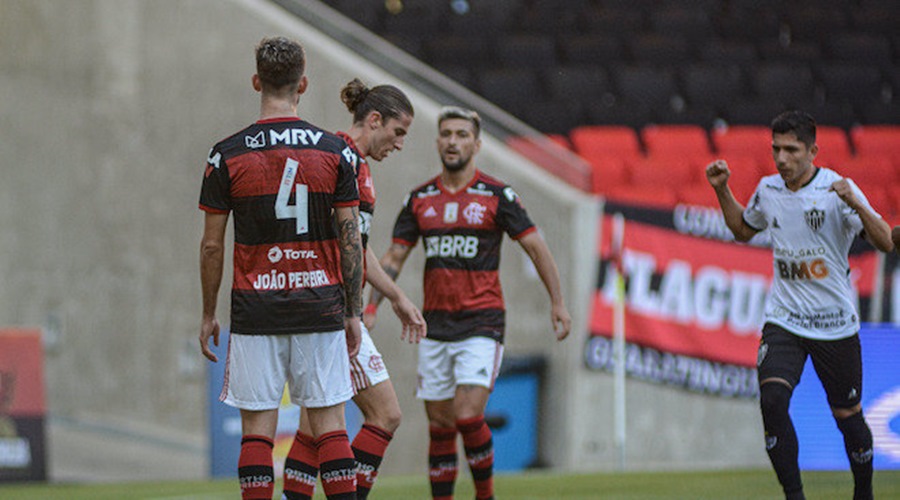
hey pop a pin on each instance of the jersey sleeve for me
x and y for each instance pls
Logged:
(406, 227)
(215, 192)
(511, 215)
(346, 192)
(851, 217)
(754, 215)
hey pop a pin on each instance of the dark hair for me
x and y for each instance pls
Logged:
(449, 112)
(802, 124)
(388, 100)
(280, 62)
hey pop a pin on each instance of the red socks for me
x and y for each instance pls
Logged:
(479, 453)
(301, 468)
(337, 465)
(442, 462)
(255, 471)
(368, 448)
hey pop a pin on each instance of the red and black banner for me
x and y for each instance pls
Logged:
(22, 407)
(694, 298)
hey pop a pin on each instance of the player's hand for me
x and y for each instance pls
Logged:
(717, 173)
(845, 192)
(414, 327)
(354, 335)
(562, 322)
(895, 237)
(209, 327)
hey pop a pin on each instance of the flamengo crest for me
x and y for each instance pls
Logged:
(814, 218)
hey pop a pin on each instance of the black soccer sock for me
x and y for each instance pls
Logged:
(858, 443)
(781, 438)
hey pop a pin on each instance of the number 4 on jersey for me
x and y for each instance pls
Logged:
(300, 209)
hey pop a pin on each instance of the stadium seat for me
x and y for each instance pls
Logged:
(858, 47)
(669, 171)
(460, 50)
(676, 141)
(878, 197)
(510, 89)
(874, 140)
(595, 49)
(744, 140)
(651, 85)
(649, 196)
(698, 194)
(526, 50)
(715, 85)
(877, 112)
(727, 51)
(553, 117)
(634, 114)
(583, 82)
(555, 158)
(660, 50)
(619, 20)
(776, 52)
(608, 173)
(834, 146)
(599, 141)
(682, 20)
(783, 82)
(754, 111)
(813, 22)
(869, 170)
(851, 82)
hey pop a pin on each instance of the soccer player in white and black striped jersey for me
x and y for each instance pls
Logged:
(812, 215)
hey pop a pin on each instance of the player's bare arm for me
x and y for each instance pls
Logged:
(536, 248)
(212, 260)
(718, 173)
(350, 244)
(876, 230)
(410, 316)
(391, 262)
(895, 238)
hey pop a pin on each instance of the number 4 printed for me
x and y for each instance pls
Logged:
(300, 209)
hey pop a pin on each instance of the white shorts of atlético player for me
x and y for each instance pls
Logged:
(367, 368)
(445, 365)
(315, 366)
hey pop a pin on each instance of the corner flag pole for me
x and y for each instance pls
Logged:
(618, 237)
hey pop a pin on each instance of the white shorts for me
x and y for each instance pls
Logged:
(367, 368)
(315, 366)
(445, 365)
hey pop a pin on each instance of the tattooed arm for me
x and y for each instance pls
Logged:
(392, 263)
(350, 243)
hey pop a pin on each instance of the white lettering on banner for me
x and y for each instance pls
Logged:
(275, 280)
(696, 375)
(450, 245)
(295, 136)
(709, 223)
(712, 297)
(15, 453)
(879, 414)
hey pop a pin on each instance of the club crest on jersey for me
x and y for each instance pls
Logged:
(255, 141)
(474, 213)
(430, 212)
(814, 218)
(451, 212)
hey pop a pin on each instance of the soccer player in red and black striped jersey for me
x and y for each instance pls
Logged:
(382, 116)
(298, 270)
(461, 216)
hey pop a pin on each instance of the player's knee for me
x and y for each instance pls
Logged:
(774, 398)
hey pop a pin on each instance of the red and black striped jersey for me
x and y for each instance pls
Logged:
(462, 233)
(366, 188)
(282, 178)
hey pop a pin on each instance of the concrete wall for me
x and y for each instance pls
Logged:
(107, 111)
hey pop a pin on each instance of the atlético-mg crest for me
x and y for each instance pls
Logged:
(814, 218)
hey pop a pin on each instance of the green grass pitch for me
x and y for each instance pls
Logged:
(712, 485)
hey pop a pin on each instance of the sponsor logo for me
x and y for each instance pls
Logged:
(430, 212)
(255, 141)
(675, 370)
(510, 194)
(299, 476)
(339, 475)
(474, 213)
(441, 468)
(479, 188)
(451, 212)
(376, 363)
(814, 218)
(771, 441)
(212, 162)
(880, 414)
(429, 191)
(803, 252)
(255, 481)
(276, 254)
(477, 458)
(775, 224)
(483, 372)
(802, 270)
(761, 354)
(862, 456)
(853, 393)
(450, 245)
(295, 137)
(351, 157)
(365, 222)
(15, 453)
(820, 321)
